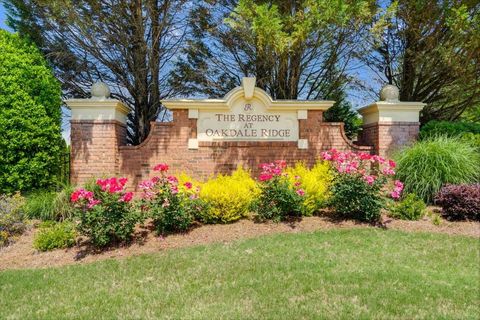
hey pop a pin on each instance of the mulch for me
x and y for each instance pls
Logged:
(22, 255)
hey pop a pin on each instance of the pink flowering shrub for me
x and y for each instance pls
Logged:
(362, 183)
(105, 213)
(173, 207)
(279, 199)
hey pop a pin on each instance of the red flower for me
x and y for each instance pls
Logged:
(162, 167)
(188, 185)
(127, 197)
(265, 176)
(281, 163)
(123, 181)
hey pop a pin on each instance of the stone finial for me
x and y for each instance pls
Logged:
(389, 93)
(100, 91)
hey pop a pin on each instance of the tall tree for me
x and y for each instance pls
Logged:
(433, 51)
(290, 46)
(129, 44)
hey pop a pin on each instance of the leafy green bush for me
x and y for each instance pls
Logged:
(362, 183)
(315, 182)
(353, 197)
(279, 199)
(465, 131)
(49, 205)
(55, 236)
(229, 198)
(410, 208)
(427, 165)
(172, 207)
(105, 214)
(30, 100)
(12, 221)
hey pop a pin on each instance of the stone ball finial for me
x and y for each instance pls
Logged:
(389, 92)
(100, 91)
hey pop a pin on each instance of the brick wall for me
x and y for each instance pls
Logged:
(94, 148)
(387, 137)
(98, 148)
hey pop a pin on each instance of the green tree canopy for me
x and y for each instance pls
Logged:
(433, 51)
(30, 100)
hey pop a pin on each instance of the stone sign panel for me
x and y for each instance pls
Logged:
(247, 120)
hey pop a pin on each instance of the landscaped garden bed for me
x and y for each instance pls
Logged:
(22, 253)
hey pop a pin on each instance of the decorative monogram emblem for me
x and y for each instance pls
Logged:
(248, 107)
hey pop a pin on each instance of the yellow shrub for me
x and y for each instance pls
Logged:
(315, 182)
(229, 197)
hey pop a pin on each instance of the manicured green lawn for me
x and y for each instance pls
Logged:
(349, 274)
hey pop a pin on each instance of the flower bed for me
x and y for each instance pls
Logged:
(354, 185)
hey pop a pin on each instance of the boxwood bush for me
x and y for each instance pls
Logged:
(411, 207)
(429, 164)
(55, 236)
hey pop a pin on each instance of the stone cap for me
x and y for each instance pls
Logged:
(95, 109)
(389, 111)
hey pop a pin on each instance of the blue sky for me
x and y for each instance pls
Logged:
(2, 17)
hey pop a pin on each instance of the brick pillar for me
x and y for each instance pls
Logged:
(390, 124)
(98, 128)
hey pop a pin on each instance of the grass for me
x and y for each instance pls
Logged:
(337, 274)
(429, 164)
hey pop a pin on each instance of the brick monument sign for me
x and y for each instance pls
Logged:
(211, 136)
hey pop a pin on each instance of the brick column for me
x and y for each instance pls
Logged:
(98, 128)
(390, 124)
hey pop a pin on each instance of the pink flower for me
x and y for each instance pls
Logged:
(392, 164)
(369, 179)
(174, 189)
(146, 185)
(300, 192)
(364, 156)
(81, 194)
(92, 203)
(326, 155)
(188, 185)
(265, 176)
(172, 179)
(388, 171)
(123, 181)
(398, 184)
(74, 196)
(378, 159)
(112, 185)
(395, 194)
(277, 171)
(162, 167)
(127, 197)
(281, 163)
(147, 195)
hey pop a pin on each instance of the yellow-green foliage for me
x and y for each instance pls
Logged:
(183, 178)
(229, 197)
(315, 182)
